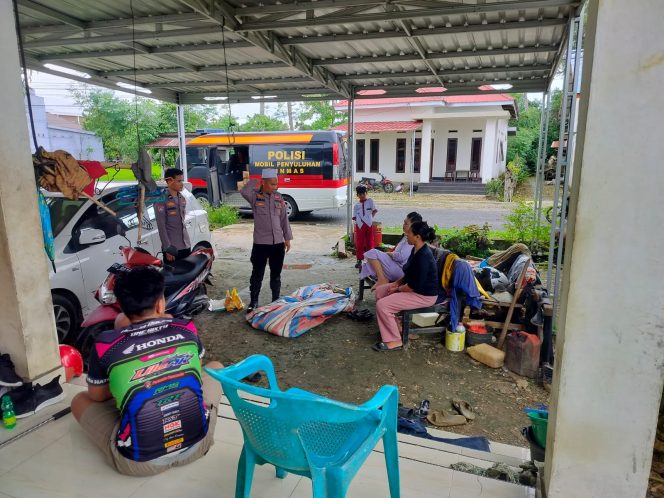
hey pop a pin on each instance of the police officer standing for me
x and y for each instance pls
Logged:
(170, 218)
(272, 233)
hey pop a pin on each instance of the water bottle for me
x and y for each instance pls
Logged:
(8, 415)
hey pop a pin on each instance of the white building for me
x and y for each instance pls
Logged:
(63, 132)
(465, 137)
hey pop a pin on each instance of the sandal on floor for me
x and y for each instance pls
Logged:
(440, 418)
(464, 408)
(381, 347)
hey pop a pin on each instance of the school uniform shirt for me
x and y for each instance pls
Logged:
(170, 222)
(363, 213)
(271, 224)
(420, 272)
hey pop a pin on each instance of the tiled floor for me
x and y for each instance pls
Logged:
(57, 460)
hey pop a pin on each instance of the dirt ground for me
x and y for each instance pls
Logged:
(335, 359)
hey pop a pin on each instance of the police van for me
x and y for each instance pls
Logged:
(313, 166)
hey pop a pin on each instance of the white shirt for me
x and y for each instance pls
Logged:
(363, 213)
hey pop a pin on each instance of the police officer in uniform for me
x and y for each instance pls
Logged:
(170, 218)
(272, 233)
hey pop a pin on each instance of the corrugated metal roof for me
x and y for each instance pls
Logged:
(300, 49)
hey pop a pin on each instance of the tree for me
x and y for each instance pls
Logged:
(259, 122)
(319, 115)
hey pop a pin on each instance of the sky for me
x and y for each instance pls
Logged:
(58, 100)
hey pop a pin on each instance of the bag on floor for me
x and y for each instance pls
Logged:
(291, 316)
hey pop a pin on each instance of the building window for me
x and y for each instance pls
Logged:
(374, 147)
(431, 160)
(418, 153)
(359, 155)
(401, 155)
(450, 164)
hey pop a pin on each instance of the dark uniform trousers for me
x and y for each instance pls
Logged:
(261, 254)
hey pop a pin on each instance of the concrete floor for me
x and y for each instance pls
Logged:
(57, 460)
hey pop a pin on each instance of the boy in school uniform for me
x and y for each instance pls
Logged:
(363, 212)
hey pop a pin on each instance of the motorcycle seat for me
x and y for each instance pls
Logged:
(183, 271)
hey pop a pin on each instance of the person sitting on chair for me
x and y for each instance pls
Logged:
(387, 266)
(149, 406)
(417, 288)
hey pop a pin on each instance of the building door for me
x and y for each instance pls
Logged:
(431, 160)
(359, 155)
(401, 155)
(450, 164)
(475, 154)
(416, 155)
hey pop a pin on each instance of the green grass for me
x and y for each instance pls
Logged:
(222, 216)
(127, 175)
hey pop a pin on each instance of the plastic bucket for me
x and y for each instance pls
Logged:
(540, 424)
(455, 341)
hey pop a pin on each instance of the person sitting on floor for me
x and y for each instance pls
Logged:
(387, 266)
(417, 288)
(149, 406)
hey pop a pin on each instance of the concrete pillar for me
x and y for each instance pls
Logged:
(609, 376)
(27, 330)
(425, 152)
(488, 164)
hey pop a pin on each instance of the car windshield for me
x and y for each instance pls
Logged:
(62, 211)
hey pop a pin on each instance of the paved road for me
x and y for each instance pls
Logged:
(393, 216)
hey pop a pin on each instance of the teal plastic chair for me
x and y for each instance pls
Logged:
(307, 434)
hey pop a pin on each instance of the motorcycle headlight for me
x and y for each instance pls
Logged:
(106, 295)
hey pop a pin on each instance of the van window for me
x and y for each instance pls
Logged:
(292, 159)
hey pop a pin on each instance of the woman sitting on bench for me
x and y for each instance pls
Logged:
(387, 267)
(416, 289)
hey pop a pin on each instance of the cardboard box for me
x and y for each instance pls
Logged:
(425, 319)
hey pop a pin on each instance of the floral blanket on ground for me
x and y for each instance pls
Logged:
(291, 316)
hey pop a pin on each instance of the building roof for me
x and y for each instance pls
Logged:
(377, 126)
(64, 121)
(498, 98)
(190, 52)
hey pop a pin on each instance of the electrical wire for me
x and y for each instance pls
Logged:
(231, 124)
(25, 75)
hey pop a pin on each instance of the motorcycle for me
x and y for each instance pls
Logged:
(376, 185)
(185, 291)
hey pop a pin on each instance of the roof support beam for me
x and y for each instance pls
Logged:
(397, 15)
(440, 8)
(442, 30)
(446, 74)
(198, 69)
(257, 81)
(115, 23)
(436, 55)
(122, 37)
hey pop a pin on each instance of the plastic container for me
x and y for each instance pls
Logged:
(539, 420)
(377, 232)
(455, 341)
(477, 333)
(522, 353)
(537, 453)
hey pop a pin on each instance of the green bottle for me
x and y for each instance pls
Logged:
(8, 415)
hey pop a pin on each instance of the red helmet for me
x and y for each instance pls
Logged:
(72, 360)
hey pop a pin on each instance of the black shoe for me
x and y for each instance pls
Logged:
(33, 398)
(358, 264)
(8, 377)
(253, 378)
(252, 306)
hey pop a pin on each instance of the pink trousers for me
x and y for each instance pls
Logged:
(389, 304)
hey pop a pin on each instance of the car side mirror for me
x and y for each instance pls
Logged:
(91, 236)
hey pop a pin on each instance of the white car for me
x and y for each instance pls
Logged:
(87, 243)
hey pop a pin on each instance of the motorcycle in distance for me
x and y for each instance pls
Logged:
(376, 185)
(185, 290)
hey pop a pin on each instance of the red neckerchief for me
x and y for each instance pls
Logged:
(362, 202)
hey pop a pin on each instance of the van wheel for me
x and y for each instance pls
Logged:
(202, 197)
(291, 207)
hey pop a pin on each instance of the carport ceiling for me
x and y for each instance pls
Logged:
(199, 51)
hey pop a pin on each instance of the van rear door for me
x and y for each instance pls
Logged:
(298, 165)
